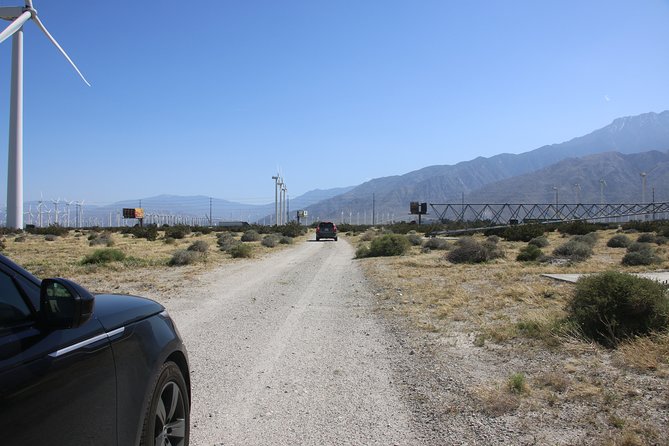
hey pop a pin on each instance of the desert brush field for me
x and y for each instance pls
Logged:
(497, 328)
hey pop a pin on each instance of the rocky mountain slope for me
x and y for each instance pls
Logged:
(390, 196)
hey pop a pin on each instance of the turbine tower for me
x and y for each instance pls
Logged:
(19, 16)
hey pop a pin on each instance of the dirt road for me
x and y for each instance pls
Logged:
(286, 350)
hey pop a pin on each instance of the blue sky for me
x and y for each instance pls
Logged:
(212, 97)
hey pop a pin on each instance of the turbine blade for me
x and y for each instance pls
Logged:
(15, 25)
(62, 51)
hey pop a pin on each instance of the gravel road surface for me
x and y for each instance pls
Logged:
(286, 350)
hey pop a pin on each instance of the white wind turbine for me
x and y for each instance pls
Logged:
(19, 16)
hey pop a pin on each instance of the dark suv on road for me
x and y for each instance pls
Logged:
(79, 369)
(326, 229)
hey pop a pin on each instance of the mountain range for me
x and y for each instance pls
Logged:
(526, 177)
(604, 165)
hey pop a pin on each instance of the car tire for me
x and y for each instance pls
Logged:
(335, 239)
(167, 419)
(318, 239)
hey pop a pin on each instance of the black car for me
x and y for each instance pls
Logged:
(83, 369)
(326, 229)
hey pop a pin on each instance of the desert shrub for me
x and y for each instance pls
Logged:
(644, 226)
(414, 239)
(611, 307)
(646, 237)
(50, 237)
(574, 250)
(270, 241)
(523, 233)
(241, 251)
(529, 253)
(619, 241)
(104, 256)
(293, 229)
(251, 236)
(184, 257)
(101, 239)
(636, 247)
(169, 241)
(177, 231)
(493, 239)
(49, 230)
(225, 241)
(149, 232)
(2, 245)
(539, 242)
(494, 251)
(368, 235)
(20, 238)
(579, 227)
(285, 240)
(204, 230)
(589, 239)
(388, 245)
(199, 246)
(469, 250)
(436, 243)
(362, 251)
(642, 257)
(661, 240)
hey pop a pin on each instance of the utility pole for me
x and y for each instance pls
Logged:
(210, 206)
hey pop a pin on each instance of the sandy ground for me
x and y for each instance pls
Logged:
(297, 347)
(287, 350)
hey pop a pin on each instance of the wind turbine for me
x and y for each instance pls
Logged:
(67, 205)
(19, 16)
(55, 203)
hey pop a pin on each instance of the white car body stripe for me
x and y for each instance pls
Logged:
(86, 342)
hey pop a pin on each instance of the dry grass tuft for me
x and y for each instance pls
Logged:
(553, 380)
(497, 401)
(646, 354)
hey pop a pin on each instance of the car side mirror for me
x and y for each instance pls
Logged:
(64, 304)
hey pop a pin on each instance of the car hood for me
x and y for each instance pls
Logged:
(116, 310)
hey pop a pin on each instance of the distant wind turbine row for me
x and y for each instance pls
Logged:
(19, 16)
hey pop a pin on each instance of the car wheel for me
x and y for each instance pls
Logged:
(318, 239)
(335, 239)
(167, 420)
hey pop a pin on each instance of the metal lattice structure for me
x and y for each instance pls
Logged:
(547, 212)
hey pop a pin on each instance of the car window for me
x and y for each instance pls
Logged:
(13, 309)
